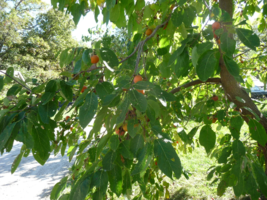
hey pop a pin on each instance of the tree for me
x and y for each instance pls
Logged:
(190, 71)
(34, 42)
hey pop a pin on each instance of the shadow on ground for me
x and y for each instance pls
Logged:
(180, 194)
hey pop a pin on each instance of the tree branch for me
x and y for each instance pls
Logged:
(141, 43)
(88, 70)
(196, 82)
(16, 81)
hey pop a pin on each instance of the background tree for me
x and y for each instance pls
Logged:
(34, 42)
(178, 69)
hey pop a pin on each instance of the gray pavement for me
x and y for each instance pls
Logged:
(31, 181)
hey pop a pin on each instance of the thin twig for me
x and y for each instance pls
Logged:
(88, 70)
(196, 82)
(16, 81)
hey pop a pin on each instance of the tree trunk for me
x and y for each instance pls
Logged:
(233, 89)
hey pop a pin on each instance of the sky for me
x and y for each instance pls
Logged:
(84, 24)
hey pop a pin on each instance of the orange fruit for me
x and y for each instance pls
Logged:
(216, 25)
(94, 59)
(215, 98)
(137, 78)
(148, 32)
(124, 127)
(84, 88)
(67, 118)
(141, 91)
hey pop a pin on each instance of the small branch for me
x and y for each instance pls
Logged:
(196, 82)
(16, 81)
(140, 45)
(88, 70)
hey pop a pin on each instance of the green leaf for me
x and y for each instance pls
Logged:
(207, 138)
(50, 91)
(181, 66)
(260, 177)
(235, 126)
(108, 160)
(137, 143)
(177, 17)
(109, 57)
(238, 149)
(231, 66)
(157, 130)
(122, 110)
(86, 56)
(81, 188)
(102, 143)
(115, 13)
(14, 90)
(99, 120)
(24, 135)
(144, 158)
(138, 100)
(38, 158)
(100, 180)
(175, 54)
(226, 152)
(5, 135)
(88, 109)
(71, 152)
(248, 38)
(10, 73)
(104, 89)
(125, 150)
(203, 47)
(66, 90)
(41, 142)
(221, 188)
(46, 111)
(189, 16)
(1, 82)
(55, 193)
(133, 127)
(16, 163)
(227, 44)
(114, 142)
(257, 132)
(77, 67)
(207, 63)
(63, 57)
(115, 180)
(127, 183)
(168, 160)
(143, 85)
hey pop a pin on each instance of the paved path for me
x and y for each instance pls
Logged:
(31, 181)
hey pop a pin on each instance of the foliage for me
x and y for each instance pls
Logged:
(33, 42)
(133, 137)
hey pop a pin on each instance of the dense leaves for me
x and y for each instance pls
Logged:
(137, 127)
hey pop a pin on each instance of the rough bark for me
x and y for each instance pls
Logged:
(233, 89)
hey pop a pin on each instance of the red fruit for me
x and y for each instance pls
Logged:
(137, 78)
(177, 142)
(215, 98)
(83, 89)
(67, 118)
(216, 25)
(148, 32)
(141, 91)
(94, 59)
(156, 163)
